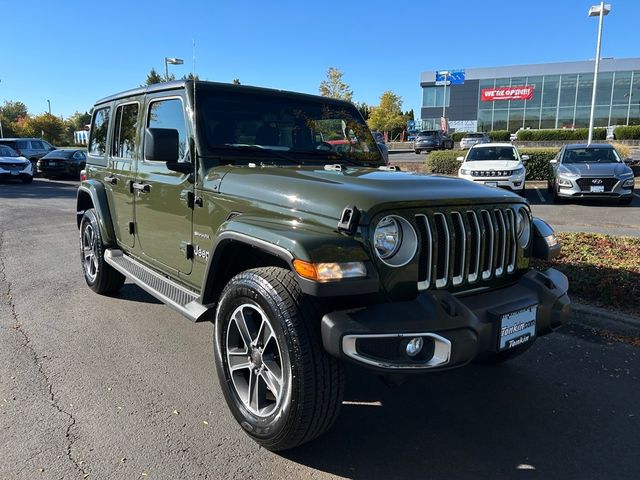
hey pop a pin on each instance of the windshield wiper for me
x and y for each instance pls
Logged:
(258, 149)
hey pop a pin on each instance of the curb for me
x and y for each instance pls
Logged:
(602, 319)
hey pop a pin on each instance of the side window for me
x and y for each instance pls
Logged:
(169, 114)
(99, 127)
(22, 145)
(36, 145)
(125, 131)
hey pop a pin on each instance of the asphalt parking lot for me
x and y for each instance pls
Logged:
(122, 387)
(596, 216)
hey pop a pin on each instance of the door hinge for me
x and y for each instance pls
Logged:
(132, 228)
(187, 249)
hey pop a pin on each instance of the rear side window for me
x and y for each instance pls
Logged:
(99, 127)
(125, 131)
(22, 145)
(169, 114)
(36, 145)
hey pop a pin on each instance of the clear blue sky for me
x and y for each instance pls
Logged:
(75, 52)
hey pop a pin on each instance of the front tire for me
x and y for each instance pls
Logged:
(27, 180)
(279, 383)
(100, 276)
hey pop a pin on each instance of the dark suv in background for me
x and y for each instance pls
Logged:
(30, 148)
(428, 140)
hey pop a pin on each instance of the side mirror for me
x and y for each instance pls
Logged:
(460, 159)
(628, 160)
(161, 145)
(524, 158)
(553, 161)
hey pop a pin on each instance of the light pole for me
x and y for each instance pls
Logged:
(49, 103)
(445, 73)
(172, 61)
(596, 11)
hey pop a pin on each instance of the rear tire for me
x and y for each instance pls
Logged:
(298, 386)
(101, 277)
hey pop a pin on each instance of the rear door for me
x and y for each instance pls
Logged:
(162, 197)
(125, 150)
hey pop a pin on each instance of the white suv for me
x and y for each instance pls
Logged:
(495, 165)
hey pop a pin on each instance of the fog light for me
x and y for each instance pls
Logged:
(414, 347)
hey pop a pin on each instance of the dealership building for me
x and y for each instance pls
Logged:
(549, 95)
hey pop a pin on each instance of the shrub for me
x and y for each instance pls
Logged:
(627, 133)
(538, 166)
(500, 136)
(457, 136)
(444, 161)
(623, 150)
(561, 134)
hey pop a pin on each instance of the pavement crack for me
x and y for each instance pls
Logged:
(7, 298)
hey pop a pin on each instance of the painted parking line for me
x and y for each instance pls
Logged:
(542, 199)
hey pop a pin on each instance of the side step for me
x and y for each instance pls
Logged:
(174, 295)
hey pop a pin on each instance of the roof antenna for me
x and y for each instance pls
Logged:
(193, 114)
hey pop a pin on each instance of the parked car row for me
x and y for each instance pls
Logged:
(579, 171)
(22, 158)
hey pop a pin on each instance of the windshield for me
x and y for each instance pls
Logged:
(427, 134)
(60, 154)
(7, 152)
(235, 127)
(591, 155)
(492, 153)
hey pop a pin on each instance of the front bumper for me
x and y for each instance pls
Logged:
(514, 182)
(456, 330)
(574, 191)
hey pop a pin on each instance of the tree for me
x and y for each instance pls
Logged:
(47, 126)
(190, 76)
(12, 114)
(77, 121)
(364, 109)
(388, 116)
(153, 77)
(334, 87)
(236, 81)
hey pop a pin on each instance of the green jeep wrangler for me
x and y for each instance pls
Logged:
(273, 215)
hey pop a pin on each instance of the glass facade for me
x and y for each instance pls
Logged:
(562, 101)
(432, 96)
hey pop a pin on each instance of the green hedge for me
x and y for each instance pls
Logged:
(444, 161)
(500, 136)
(627, 133)
(561, 134)
(538, 167)
(457, 136)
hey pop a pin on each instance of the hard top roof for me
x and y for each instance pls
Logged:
(181, 84)
(574, 146)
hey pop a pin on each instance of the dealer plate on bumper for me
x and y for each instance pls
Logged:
(517, 327)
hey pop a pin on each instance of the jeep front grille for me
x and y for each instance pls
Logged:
(465, 246)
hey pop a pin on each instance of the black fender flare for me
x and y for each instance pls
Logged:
(91, 194)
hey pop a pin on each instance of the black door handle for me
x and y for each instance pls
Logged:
(111, 180)
(141, 187)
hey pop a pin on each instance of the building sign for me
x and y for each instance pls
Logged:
(463, 125)
(452, 77)
(522, 92)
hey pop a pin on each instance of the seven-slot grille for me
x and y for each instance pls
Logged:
(465, 246)
(491, 173)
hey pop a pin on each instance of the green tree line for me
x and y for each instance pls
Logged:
(18, 122)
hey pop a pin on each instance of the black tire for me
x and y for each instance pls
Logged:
(311, 381)
(27, 179)
(626, 201)
(417, 152)
(549, 187)
(101, 277)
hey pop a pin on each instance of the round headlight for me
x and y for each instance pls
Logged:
(523, 227)
(387, 237)
(395, 241)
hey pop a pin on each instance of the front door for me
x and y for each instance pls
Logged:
(163, 214)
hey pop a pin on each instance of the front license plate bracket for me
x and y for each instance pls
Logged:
(517, 327)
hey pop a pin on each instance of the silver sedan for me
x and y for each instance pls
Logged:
(594, 170)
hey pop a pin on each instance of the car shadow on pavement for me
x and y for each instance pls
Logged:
(476, 422)
(132, 292)
(40, 188)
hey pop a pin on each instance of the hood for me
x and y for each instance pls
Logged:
(492, 165)
(326, 193)
(595, 169)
